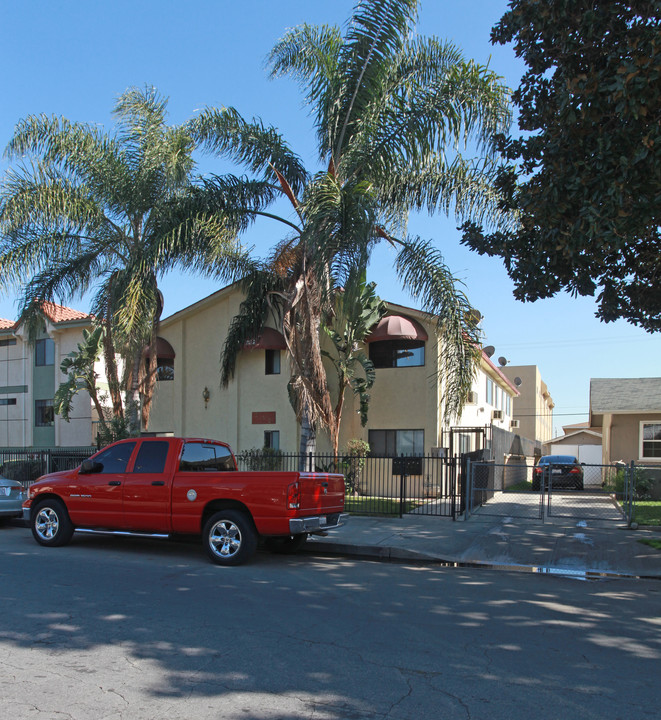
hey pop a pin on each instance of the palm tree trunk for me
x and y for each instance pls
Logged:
(308, 444)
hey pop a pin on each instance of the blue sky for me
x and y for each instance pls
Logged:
(74, 57)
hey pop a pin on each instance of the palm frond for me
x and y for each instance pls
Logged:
(424, 274)
(375, 35)
(251, 144)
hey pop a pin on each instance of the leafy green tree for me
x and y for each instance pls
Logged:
(82, 209)
(80, 369)
(392, 112)
(581, 196)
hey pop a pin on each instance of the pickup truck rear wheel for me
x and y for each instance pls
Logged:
(50, 523)
(229, 537)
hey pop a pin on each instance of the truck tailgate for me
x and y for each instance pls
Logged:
(321, 493)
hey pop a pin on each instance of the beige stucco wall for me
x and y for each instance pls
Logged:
(197, 336)
(402, 398)
(625, 437)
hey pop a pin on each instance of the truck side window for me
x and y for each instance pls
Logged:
(116, 458)
(151, 457)
(205, 457)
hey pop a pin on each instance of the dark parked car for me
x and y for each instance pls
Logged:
(558, 471)
(12, 495)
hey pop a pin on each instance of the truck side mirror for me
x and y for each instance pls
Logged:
(88, 467)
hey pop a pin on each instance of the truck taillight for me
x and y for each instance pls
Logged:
(294, 496)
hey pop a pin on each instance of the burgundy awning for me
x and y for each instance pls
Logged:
(397, 327)
(164, 350)
(268, 339)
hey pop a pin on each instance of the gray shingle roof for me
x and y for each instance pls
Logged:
(611, 395)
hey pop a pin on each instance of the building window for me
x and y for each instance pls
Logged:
(393, 443)
(7, 341)
(490, 388)
(44, 352)
(272, 362)
(650, 441)
(7, 401)
(44, 415)
(397, 353)
(272, 439)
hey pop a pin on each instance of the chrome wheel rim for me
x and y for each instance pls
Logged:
(225, 539)
(47, 523)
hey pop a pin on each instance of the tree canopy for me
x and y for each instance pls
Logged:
(581, 196)
(82, 209)
(394, 114)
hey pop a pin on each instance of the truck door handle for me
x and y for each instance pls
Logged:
(114, 482)
(158, 482)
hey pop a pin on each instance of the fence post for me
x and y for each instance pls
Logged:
(632, 491)
(467, 490)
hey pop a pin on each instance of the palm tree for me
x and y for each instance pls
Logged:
(392, 112)
(85, 210)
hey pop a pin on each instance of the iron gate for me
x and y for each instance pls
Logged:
(605, 492)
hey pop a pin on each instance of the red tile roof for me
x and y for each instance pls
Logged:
(6, 324)
(60, 313)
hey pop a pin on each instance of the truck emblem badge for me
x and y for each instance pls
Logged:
(191, 495)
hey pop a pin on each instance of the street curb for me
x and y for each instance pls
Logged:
(376, 552)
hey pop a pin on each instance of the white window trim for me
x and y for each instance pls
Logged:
(641, 457)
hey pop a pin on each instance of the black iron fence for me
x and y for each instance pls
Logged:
(26, 465)
(378, 485)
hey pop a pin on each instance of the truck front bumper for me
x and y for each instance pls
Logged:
(317, 523)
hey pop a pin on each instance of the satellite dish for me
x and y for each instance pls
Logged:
(518, 381)
(489, 350)
(502, 361)
(475, 315)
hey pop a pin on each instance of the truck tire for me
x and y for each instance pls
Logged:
(229, 537)
(50, 523)
(287, 545)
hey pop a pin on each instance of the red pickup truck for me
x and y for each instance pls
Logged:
(188, 486)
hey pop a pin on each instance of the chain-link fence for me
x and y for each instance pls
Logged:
(572, 490)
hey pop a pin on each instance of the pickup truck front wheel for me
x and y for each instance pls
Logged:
(229, 537)
(50, 523)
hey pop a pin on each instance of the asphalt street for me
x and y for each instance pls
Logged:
(128, 629)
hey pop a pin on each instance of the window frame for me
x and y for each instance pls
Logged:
(393, 346)
(642, 441)
(44, 350)
(392, 438)
(272, 362)
(44, 405)
(272, 439)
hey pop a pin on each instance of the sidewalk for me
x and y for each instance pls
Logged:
(575, 547)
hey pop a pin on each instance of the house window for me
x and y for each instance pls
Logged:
(393, 443)
(490, 393)
(272, 362)
(44, 414)
(7, 341)
(650, 441)
(44, 352)
(272, 439)
(7, 401)
(397, 353)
